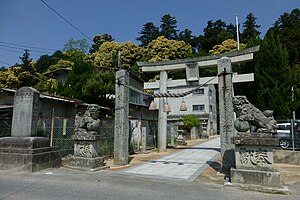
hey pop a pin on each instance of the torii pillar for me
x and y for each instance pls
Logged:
(162, 116)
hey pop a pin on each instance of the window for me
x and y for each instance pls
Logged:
(199, 91)
(198, 107)
(210, 108)
(135, 97)
(210, 92)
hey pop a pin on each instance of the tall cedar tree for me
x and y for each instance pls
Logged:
(215, 33)
(168, 27)
(148, 33)
(273, 77)
(250, 31)
(26, 61)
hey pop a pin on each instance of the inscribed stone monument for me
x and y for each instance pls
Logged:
(24, 150)
(226, 114)
(121, 129)
(26, 112)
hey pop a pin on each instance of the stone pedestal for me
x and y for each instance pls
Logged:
(254, 163)
(86, 153)
(28, 154)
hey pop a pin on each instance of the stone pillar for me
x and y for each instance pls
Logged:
(162, 116)
(194, 133)
(121, 128)
(144, 139)
(173, 134)
(226, 114)
(27, 107)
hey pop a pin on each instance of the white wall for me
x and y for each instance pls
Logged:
(195, 99)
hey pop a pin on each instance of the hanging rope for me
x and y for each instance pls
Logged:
(161, 95)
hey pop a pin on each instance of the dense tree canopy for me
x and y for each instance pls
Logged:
(215, 33)
(76, 45)
(228, 45)
(45, 61)
(191, 121)
(273, 77)
(99, 40)
(287, 28)
(164, 49)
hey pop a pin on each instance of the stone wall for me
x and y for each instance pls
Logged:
(286, 156)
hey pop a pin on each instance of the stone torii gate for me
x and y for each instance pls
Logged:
(225, 81)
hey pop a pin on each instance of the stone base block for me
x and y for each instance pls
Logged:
(204, 136)
(87, 163)
(254, 178)
(28, 154)
(24, 142)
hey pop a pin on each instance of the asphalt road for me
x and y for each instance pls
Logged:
(70, 184)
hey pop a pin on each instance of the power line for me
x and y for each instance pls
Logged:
(66, 20)
(12, 50)
(19, 48)
(6, 63)
(20, 52)
(31, 47)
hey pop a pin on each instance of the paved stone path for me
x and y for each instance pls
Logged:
(185, 164)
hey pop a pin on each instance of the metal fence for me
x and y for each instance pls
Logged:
(107, 137)
(5, 126)
(60, 130)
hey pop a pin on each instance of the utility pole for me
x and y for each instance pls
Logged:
(119, 60)
(237, 32)
(292, 122)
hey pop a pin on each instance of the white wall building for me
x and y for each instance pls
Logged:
(201, 103)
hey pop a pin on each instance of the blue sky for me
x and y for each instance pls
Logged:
(32, 23)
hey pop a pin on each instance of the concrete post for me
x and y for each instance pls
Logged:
(162, 116)
(144, 139)
(173, 132)
(121, 129)
(226, 114)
